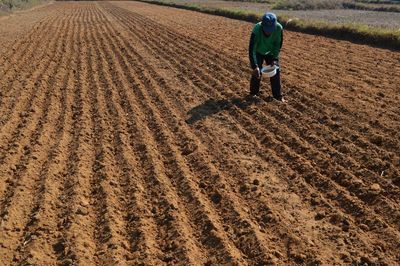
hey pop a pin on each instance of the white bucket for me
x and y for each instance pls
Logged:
(270, 70)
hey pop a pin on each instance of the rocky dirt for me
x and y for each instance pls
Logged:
(127, 138)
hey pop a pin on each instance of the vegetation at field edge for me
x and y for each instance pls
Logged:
(8, 5)
(308, 4)
(337, 4)
(362, 6)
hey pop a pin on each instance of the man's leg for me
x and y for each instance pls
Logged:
(254, 85)
(275, 81)
(276, 85)
(254, 81)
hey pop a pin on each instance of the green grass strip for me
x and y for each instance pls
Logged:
(352, 32)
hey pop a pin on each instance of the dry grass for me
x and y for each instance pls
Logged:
(373, 7)
(308, 4)
(9, 5)
(379, 1)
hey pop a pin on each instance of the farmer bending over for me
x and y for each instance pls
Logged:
(265, 44)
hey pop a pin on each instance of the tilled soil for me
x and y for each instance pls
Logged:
(16, 24)
(127, 138)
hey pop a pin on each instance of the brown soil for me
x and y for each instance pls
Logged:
(126, 137)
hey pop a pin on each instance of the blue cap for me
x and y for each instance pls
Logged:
(268, 22)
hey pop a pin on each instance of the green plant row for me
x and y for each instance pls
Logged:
(356, 33)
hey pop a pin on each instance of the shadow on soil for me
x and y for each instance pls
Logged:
(211, 107)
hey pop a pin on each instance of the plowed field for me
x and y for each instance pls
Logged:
(126, 138)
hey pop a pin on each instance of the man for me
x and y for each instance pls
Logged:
(265, 44)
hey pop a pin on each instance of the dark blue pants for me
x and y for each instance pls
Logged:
(275, 80)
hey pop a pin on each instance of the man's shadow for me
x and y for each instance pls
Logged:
(212, 106)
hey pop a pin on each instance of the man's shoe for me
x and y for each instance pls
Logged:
(280, 99)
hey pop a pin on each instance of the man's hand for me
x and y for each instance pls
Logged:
(275, 62)
(256, 73)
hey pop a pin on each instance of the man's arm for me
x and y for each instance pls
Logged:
(276, 53)
(253, 60)
(278, 48)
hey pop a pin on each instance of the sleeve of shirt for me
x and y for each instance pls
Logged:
(252, 52)
(278, 46)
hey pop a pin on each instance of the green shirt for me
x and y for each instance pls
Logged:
(264, 45)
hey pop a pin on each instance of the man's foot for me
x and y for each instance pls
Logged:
(269, 99)
(253, 98)
(280, 99)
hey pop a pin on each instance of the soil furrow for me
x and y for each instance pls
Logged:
(342, 154)
(167, 212)
(323, 185)
(207, 77)
(24, 73)
(378, 142)
(141, 60)
(65, 245)
(33, 228)
(293, 59)
(170, 90)
(131, 206)
(200, 63)
(236, 172)
(104, 179)
(132, 130)
(42, 215)
(42, 246)
(229, 64)
(168, 154)
(13, 131)
(127, 138)
(162, 136)
(30, 143)
(345, 87)
(342, 142)
(45, 250)
(29, 163)
(345, 115)
(18, 56)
